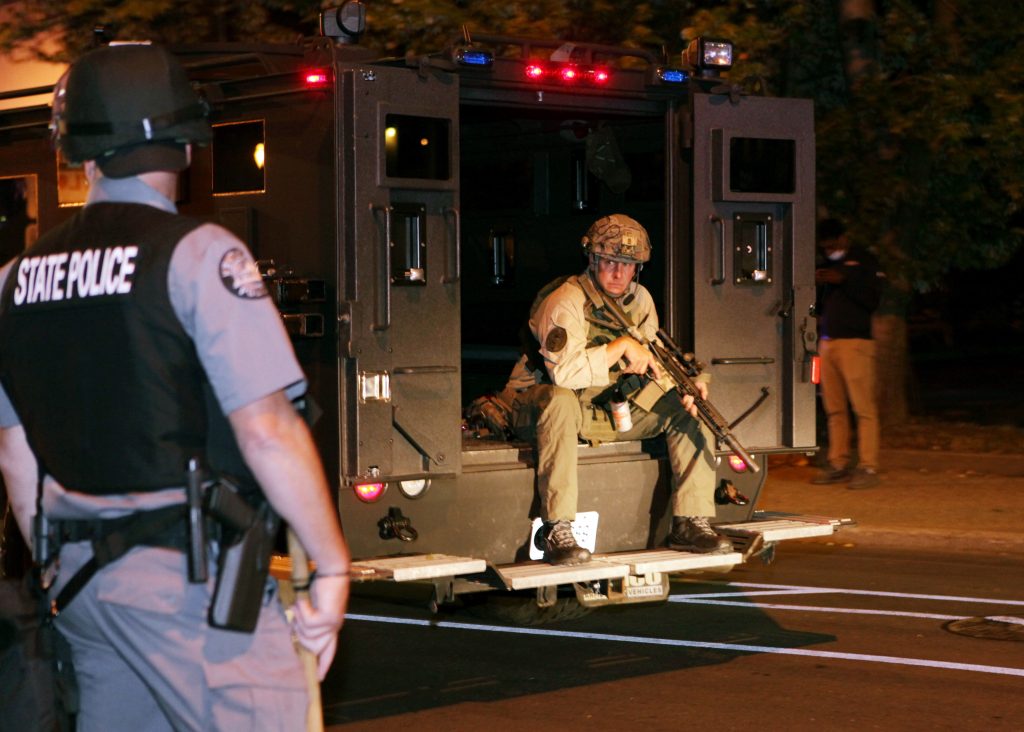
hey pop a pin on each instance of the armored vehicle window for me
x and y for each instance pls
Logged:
(416, 147)
(19, 215)
(758, 165)
(72, 187)
(238, 151)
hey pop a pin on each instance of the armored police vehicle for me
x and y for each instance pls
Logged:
(405, 214)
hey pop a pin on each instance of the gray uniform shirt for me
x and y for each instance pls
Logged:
(240, 339)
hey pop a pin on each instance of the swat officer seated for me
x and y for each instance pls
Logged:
(561, 392)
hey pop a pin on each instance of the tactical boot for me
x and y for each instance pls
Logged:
(694, 534)
(560, 545)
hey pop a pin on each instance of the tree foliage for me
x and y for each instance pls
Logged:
(920, 151)
(67, 26)
(921, 154)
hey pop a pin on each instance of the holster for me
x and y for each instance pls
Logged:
(243, 563)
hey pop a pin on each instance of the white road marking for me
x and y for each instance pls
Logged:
(699, 600)
(798, 589)
(732, 647)
(734, 599)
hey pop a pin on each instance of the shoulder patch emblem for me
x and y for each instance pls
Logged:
(556, 340)
(240, 275)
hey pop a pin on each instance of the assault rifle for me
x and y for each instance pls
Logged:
(681, 369)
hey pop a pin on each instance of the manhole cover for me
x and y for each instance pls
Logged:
(1002, 627)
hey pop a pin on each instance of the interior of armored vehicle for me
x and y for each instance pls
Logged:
(531, 185)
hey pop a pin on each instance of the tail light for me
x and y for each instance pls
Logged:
(369, 492)
(737, 464)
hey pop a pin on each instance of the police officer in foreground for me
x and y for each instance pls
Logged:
(112, 326)
(581, 365)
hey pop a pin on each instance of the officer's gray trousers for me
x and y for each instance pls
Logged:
(555, 418)
(147, 660)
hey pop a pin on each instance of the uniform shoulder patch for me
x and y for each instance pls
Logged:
(241, 276)
(556, 340)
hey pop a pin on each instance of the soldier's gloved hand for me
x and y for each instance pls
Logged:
(317, 620)
(639, 359)
(687, 400)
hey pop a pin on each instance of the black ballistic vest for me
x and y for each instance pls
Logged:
(104, 379)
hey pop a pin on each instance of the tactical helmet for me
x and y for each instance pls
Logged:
(618, 237)
(129, 107)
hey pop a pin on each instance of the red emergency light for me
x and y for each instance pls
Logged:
(369, 492)
(316, 78)
(569, 74)
(737, 464)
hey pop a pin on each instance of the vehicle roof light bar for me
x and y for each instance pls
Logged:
(567, 73)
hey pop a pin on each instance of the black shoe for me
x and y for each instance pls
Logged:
(726, 493)
(864, 478)
(828, 476)
(560, 545)
(694, 534)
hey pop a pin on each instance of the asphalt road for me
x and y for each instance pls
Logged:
(836, 637)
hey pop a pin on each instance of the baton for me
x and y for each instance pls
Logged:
(300, 583)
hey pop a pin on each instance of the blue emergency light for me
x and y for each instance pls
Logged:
(673, 76)
(472, 57)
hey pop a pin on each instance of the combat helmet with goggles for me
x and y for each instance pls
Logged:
(130, 107)
(618, 238)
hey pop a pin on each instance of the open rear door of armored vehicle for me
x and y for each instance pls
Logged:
(754, 245)
(401, 398)
(753, 238)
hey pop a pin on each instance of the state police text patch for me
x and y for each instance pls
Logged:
(241, 276)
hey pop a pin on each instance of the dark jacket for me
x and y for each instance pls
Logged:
(845, 309)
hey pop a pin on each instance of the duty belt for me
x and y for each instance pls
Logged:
(113, 538)
(173, 537)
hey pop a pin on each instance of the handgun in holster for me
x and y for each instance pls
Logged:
(45, 548)
(247, 541)
(43, 537)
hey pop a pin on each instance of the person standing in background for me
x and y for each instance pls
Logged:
(850, 286)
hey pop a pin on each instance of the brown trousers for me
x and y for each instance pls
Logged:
(848, 380)
(555, 418)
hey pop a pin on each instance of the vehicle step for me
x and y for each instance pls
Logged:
(779, 529)
(416, 567)
(530, 575)
(670, 560)
(399, 569)
(811, 518)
